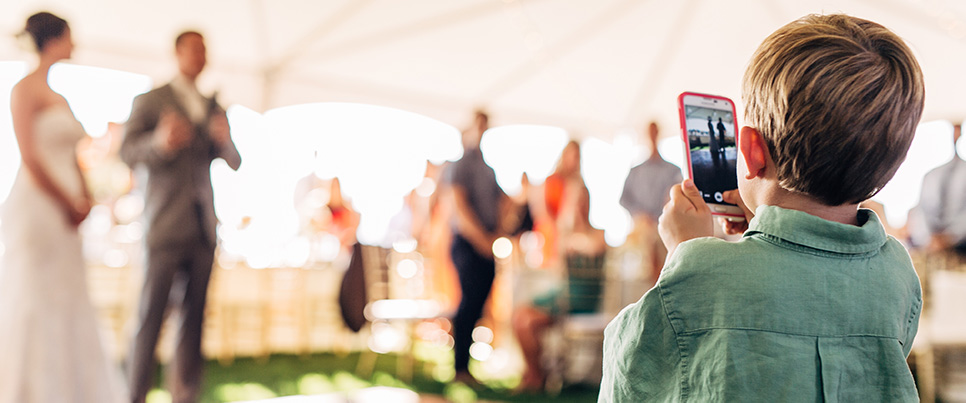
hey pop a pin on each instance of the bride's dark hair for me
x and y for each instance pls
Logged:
(44, 26)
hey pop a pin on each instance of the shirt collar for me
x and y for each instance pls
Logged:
(804, 229)
(183, 85)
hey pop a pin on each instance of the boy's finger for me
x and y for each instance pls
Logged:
(680, 201)
(675, 196)
(731, 196)
(693, 194)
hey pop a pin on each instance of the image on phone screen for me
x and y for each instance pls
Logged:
(710, 129)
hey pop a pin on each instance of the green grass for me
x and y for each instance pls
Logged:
(285, 375)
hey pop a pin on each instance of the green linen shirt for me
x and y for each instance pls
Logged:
(799, 310)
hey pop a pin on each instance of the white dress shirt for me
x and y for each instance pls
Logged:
(195, 104)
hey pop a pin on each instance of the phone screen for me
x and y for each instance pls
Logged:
(710, 128)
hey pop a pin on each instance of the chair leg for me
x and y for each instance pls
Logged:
(404, 366)
(925, 368)
(367, 363)
(555, 360)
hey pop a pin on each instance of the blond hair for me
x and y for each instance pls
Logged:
(837, 100)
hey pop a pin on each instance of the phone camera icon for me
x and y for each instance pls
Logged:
(718, 197)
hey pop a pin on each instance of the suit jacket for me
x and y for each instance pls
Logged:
(178, 194)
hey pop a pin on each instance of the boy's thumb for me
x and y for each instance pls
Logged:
(689, 188)
(692, 193)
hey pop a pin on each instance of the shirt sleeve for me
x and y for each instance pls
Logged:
(458, 174)
(912, 326)
(227, 151)
(641, 355)
(930, 201)
(627, 195)
(138, 144)
(674, 178)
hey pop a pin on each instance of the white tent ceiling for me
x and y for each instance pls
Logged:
(592, 67)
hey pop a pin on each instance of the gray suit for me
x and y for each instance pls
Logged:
(180, 241)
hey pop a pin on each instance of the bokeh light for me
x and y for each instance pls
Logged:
(480, 351)
(407, 268)
(482, 334)
(502, 248)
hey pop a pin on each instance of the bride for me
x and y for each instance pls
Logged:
(50, 349)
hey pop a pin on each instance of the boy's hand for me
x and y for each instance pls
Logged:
(686, 216)
(735, 227)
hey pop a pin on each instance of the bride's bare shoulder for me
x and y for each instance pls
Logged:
(29, 88)
(33, 92)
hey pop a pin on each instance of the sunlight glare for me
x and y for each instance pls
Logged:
(932, 147)
(97, 95)
(517, 149)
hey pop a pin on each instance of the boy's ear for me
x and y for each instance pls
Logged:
(755, 153)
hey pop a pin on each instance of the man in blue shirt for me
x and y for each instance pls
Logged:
(478, 200)
(645, 192)
(943, 203)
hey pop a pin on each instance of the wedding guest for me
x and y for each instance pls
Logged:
(477, 200)
(721, 138)
(580, 250)
(714, 145)
(942, 204)
(645, 192)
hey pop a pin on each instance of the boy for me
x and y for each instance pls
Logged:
(815, 302)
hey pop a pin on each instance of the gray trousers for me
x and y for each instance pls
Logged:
(175, 274)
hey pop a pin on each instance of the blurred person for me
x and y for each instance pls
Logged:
(547, 204)
(721, 137)
(434, 236)
(174, 133)
(324, 214)
(432, 218)
(323, 209)
(338, 218)
(942, 204)
(343, 219)
(560, 183)
(50, 345)
(815, 302)
(645, 192)
(580, 249)
(713, 144)
(308, 198)
(477, 203)
(419, 200)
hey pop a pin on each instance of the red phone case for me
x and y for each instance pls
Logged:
(684, 133)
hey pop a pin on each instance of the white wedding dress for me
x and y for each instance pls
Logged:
(50, 348)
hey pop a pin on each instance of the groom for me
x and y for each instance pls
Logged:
(174, 133)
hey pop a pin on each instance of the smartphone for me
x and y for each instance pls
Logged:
(710, 131)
